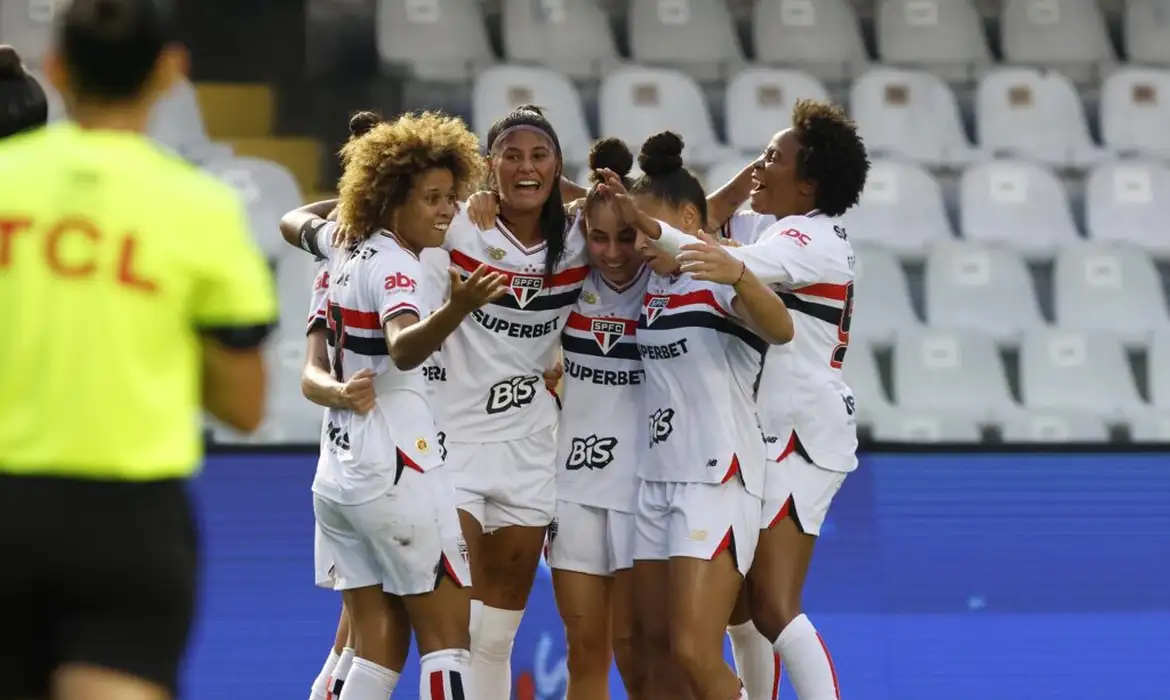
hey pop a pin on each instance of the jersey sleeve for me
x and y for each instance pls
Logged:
(787, 255)
(317, 237)
(745, 227)
(320, 295)
(233, 297)
(397, 286)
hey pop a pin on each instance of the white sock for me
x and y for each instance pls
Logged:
(476, 612)
(491, 652)
(368, 681)
(320, 689)
(340, 671)
(809, 665)
(756, 661)
(743, 694)
(444, 675)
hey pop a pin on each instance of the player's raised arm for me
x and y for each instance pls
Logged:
(754, 302)
(723, 202)
(303, 227)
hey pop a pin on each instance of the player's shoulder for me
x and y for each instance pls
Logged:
(810, 230)
(746, 226)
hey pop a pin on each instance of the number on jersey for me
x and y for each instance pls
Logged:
(838, 358)
(337, 326)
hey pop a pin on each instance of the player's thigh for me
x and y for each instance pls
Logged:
(578, 539)
(651, 583)
(625, 633)
(441, 618)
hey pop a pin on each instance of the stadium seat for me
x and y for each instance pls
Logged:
(1135, 112)
(696, 36)
(501, 88)
(1146, 25)
(1016, 203)
(636, 102)
(176, 123)
(1034, 114)
(819, 36)
(1077, 371)
(1158, 367)
(722, 173)
(863, 377)
(759, 103)
(56, 103)
(295, 274)
(27, 26)
(291, 417)
(901, 209)
(910, 114)
(973, 287)
(955, 371)
(1130, 202)
(1153, 426)
(570, 36)
(926, 427)
(440, 40)
(268, 191)
(1054, 426)
(1111, 288)
(1069, 35)
(942, 36)
(881, 300)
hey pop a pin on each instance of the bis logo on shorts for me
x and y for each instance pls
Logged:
(511, 393)
(592, 453)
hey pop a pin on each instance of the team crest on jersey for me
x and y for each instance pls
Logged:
(589, 297)
(607, 333)
(525, 287)
(496, 254)
(421, 445)
(654, 307)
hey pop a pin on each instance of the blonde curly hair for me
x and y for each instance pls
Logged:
(381, 165)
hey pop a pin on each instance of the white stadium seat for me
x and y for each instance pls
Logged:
(501, 88)
(1158, 367)
(1018, 204)
(1053, 426)
(696, 36)
(954, 371)
(861, 374)
(1129, 202)
(819, 36)
(910, 114)
(759, 103)
(1109, 288)
(570, 36)
(442, 40)
(1153, 426)
(1077, 371)
(722, 173)
(636, 102)
(881, 300)
(177, 124)
(926, 427)
(901, 209)
(295, 273)
(1135, 112)
(1066, 34)
(1034, 114)
(268, 191)
(27, 26)
(973, 287)
(1146, 25)
(942, 36)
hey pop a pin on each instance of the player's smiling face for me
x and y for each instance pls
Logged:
(610, 245)
(776, 186)
(423, 218)
(526, 168)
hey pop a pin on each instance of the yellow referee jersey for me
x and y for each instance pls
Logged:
(113, 256)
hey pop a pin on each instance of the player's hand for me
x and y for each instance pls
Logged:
(729, 242)
(332, 215)
(478, 289)
(611, 181)
(482, 208)
(552, 376)
(709, 261)
(344, 237)
(358, 393)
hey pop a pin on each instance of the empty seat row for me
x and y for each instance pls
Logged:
(1037, 426)
(1074, 377)
(1113, 290)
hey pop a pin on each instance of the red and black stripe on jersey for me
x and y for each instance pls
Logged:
(829, 314)
(352, 319)
(707, 315)
(557, 292)
(624, 348)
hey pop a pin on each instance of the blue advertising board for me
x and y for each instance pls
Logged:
(938, 577)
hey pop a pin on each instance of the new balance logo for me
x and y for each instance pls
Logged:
(592, 453)
(511, 393)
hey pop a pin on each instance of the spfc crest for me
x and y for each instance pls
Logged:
(525, 287)
(654, 306)
(607, 333)
(496, 254)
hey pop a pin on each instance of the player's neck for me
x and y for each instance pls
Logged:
(525, 226)
(110, 117)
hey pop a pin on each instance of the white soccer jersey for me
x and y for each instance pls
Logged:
(320, 295)
(495, 360)
(702, 369)
(808, 261)
(363, 456)
(602, 433)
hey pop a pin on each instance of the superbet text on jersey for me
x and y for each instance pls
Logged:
(808, 261)
(496, 358)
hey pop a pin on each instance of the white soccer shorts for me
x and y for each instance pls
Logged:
(506, 483)
(796, 487)
(696, 520)
(322, 560)
(590, 540)
(404, 540)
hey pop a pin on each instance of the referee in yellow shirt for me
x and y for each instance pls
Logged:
(132, 298)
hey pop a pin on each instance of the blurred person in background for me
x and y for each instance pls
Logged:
(135, 299)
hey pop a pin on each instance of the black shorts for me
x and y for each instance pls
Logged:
(94, 573)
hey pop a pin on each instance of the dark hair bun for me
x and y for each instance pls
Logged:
(530, 108)
(611, 153)
(661, 154)
(10, 65)
(362, 123)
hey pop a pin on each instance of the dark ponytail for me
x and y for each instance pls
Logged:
(663, 174)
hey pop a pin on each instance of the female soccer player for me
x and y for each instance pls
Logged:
(702, 345)
(810, 174)
(385, 509)
(600, 439)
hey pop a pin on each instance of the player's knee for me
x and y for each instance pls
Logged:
(588, 648)
(690, 652)
(493, 636)
(771, 614)
(627, 661)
